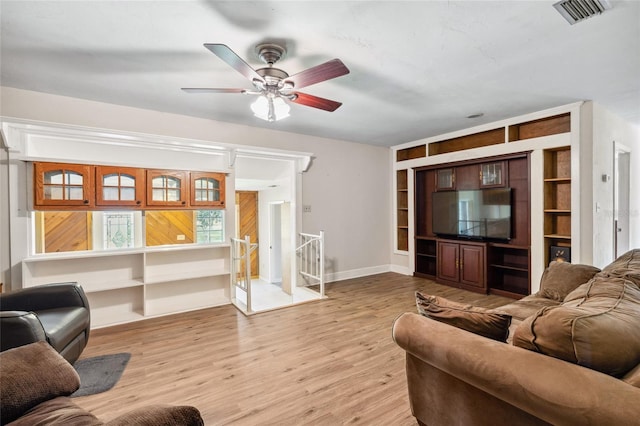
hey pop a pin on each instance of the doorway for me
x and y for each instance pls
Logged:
(621, 188)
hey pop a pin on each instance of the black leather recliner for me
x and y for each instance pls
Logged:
(57, 313)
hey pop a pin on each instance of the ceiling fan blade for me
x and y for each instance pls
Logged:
(316, 102)
(332, 69)
(223, 52)
(208, 90)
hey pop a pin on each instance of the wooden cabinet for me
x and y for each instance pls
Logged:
(167, 188)
(63, 186)
(119, 186)
(207, 189)
(462, 264)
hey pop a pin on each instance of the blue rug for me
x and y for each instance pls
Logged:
(100, 373)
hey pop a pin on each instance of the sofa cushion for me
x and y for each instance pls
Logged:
(596, 327)
(560, 278)
(484, 322)
(626, 266)
(153, 415)
(525, 307)
(58, 411)
(32, 374)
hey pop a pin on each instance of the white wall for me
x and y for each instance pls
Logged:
(347, 183)
(608, 128)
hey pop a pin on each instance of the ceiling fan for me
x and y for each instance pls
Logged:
(274, 85)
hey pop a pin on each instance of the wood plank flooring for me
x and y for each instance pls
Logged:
(329, 362)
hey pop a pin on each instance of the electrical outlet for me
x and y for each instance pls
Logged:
(181, 237)
(306, 209)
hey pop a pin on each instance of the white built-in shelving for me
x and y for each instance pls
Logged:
(129, 285)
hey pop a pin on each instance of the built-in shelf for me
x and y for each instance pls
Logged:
(125, 286)
(557, 197)
(508, 270)
(402, 210)
(426, 257)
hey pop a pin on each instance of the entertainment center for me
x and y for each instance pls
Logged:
(472, 230)
(487, 208)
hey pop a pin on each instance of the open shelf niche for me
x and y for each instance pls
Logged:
(402, 210)
(557, 202)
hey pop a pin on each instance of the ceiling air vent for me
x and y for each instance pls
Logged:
(578, 10)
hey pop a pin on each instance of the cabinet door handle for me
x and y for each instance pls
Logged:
(86, 201)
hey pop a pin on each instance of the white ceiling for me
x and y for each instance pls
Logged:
(418, 68)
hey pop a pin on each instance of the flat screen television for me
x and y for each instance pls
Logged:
(474, 214)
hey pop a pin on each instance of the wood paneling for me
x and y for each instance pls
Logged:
(330, 362)
(411, 153)
(247, 204)
(66, 231)
(476, 140)
(169, 227)
(543, 127)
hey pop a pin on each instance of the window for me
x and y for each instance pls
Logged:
(118, 230)
(65, 231)
(209, 226)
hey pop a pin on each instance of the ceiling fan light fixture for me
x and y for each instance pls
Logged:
(270, 108)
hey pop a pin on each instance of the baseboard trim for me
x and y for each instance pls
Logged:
(363, 272)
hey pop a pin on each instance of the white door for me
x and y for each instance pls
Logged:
(621, 184)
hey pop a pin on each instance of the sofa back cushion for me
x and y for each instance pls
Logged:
(596, 327)
(626, 266)
(32, 374)
(481, 321)
(561, 278)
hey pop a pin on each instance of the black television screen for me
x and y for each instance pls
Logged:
(480, 213)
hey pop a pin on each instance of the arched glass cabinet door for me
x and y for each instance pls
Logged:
(62, 185)
(166, 188)
(119, 186)
(207, 189)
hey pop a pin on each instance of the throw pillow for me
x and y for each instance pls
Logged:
(32, 374)
(476, 320)
(560, 278)
(596, 327)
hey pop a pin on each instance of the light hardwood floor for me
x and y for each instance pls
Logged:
(329, 362)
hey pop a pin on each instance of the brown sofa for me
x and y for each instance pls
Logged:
(572, 357)
(35, 388)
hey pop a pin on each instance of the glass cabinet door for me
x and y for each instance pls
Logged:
(119, 186)
(166, 188)
(445, 179)
(207, 189)
(492, 174)
(61, 185)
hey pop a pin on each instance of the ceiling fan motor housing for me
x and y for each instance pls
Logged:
(270, 53)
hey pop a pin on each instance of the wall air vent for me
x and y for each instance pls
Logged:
(578, 10)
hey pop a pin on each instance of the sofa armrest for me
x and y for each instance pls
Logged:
(551, 389)
(48, 296)
(19, 328)
(153, 415)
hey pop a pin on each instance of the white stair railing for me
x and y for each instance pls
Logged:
(310, 254)
(241, 268)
